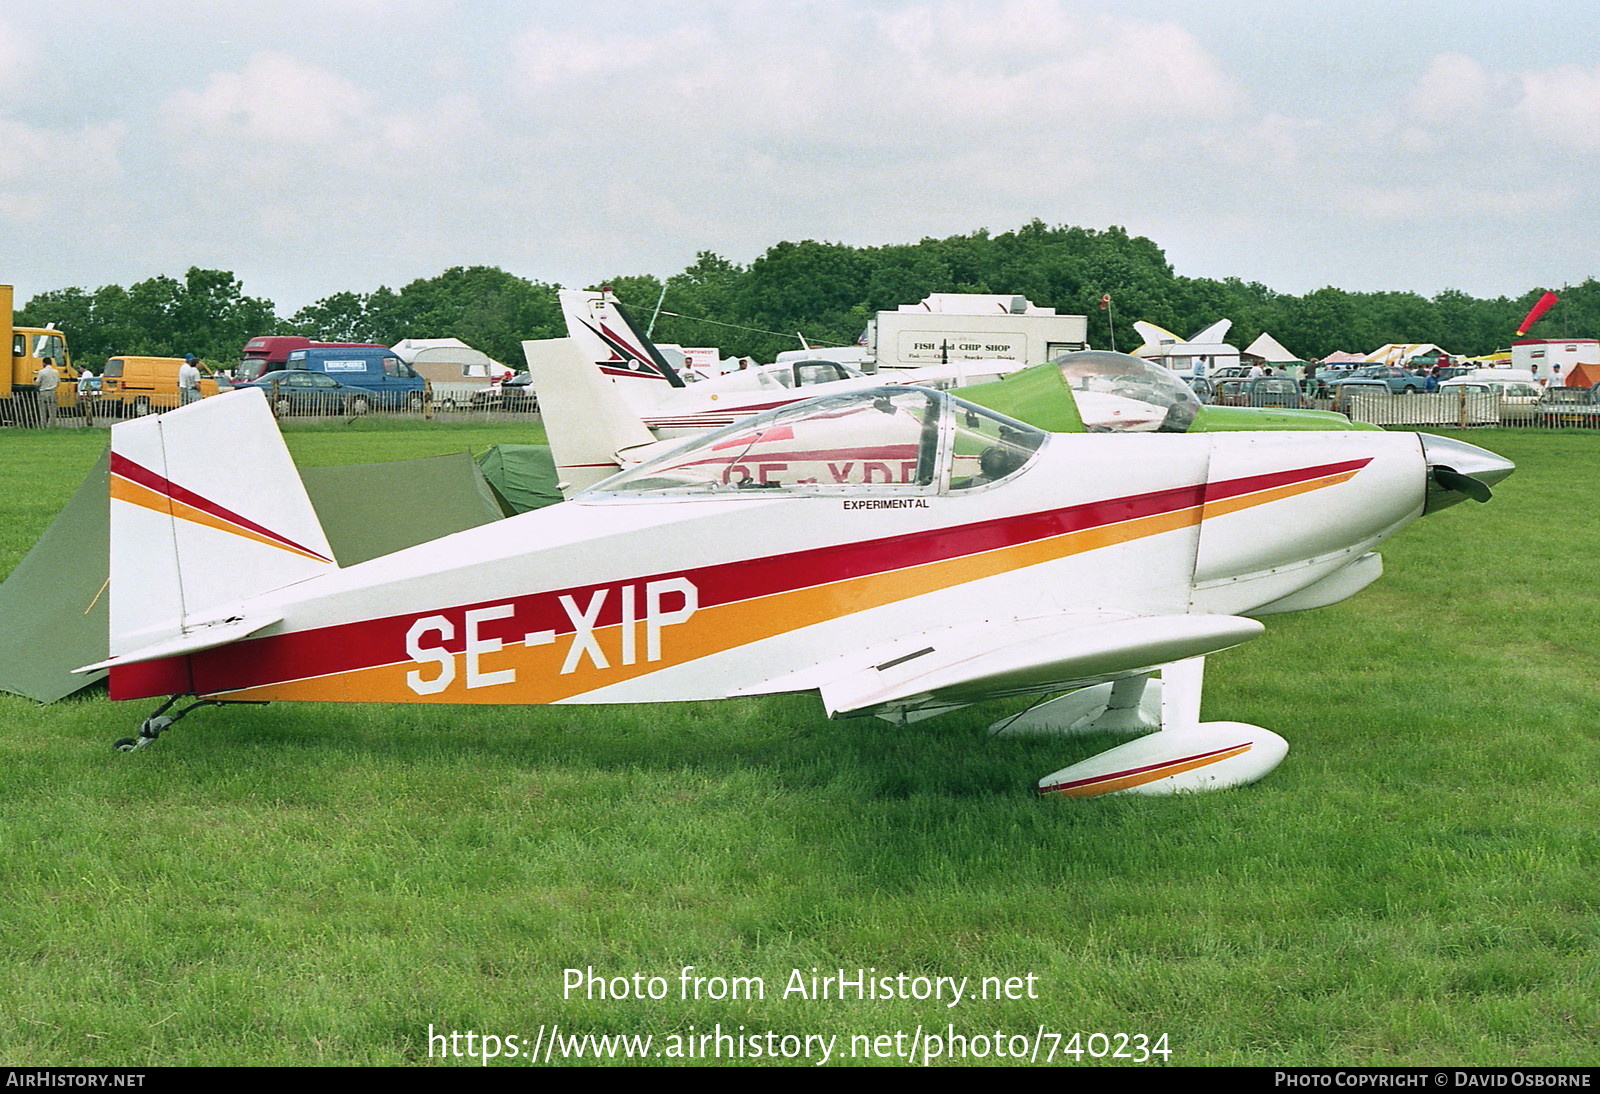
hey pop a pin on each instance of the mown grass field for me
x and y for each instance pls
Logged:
(1417, 883)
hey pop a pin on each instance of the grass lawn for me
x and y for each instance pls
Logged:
(1417, 883)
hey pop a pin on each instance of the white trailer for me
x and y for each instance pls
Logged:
(1550, 359)
(951, 327)
(454, 370)
(948, 327)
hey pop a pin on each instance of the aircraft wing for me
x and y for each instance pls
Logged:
(957, 666)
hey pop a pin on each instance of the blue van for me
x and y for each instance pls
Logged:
(391, 382)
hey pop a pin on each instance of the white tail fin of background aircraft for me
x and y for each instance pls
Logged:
(194, 536)
(619, 349)
(1153, 335)
(1159, 341)
(1216, 332)
(586, 416)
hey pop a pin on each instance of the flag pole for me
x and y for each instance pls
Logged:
(1111, 318)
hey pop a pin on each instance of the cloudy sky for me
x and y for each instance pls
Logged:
(313, 146)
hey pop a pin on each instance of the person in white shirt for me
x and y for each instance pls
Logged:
(46, 380)
(188, 381)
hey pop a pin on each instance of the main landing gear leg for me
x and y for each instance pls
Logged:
(160, 720)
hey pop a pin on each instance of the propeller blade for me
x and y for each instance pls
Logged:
(1451, 479)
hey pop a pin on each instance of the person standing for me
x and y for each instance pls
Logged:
(188, 381)
(46, 380)
(86, 395)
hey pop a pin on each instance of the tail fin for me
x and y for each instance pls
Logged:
(1154, 336)
(586, 418)
(1216, 332)
(207, 511)
(619, 349)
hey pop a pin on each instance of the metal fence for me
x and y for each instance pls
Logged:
(1458, 409)
(301, 402)
(313, 397)
(312, 403)
(1461, 409)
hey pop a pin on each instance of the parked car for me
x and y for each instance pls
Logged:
(1279, 391)
(1203, 388)
(514, 395)
(1510, 391)
(1349, 387)
(1577, 406)
(1397, 380)
(1317, 385)
(298, 391)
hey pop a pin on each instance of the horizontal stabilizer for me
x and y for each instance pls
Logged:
(204, 636)
(969, 664)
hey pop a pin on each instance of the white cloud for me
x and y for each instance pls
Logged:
(830, 71)
(394, 137)
(749, 123)
(1452, 200)
(1035, 59)
(1455, 90)
(1562, 106)
(278, 112)
(275, 100)
(49, 176)
(1480, 107)
(555, 58)
(15, 57)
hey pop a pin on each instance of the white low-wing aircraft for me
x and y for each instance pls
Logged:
(670, 408)
(605, 418)
(896, 550)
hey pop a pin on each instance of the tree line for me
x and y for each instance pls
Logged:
(822, 292)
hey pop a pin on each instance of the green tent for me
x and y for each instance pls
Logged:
(53, 607)
(373, 509)
(523, 474)
(54, 614)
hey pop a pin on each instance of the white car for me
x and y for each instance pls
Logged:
(1510, 391)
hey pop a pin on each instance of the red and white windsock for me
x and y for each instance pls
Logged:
(1535, 312)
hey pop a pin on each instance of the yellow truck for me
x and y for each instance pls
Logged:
(26, 348)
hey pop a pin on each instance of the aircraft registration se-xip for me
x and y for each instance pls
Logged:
(897, 550)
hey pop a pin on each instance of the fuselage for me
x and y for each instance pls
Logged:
(624, 597)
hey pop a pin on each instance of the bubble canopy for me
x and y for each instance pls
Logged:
(1119, 392)
(884, 440)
